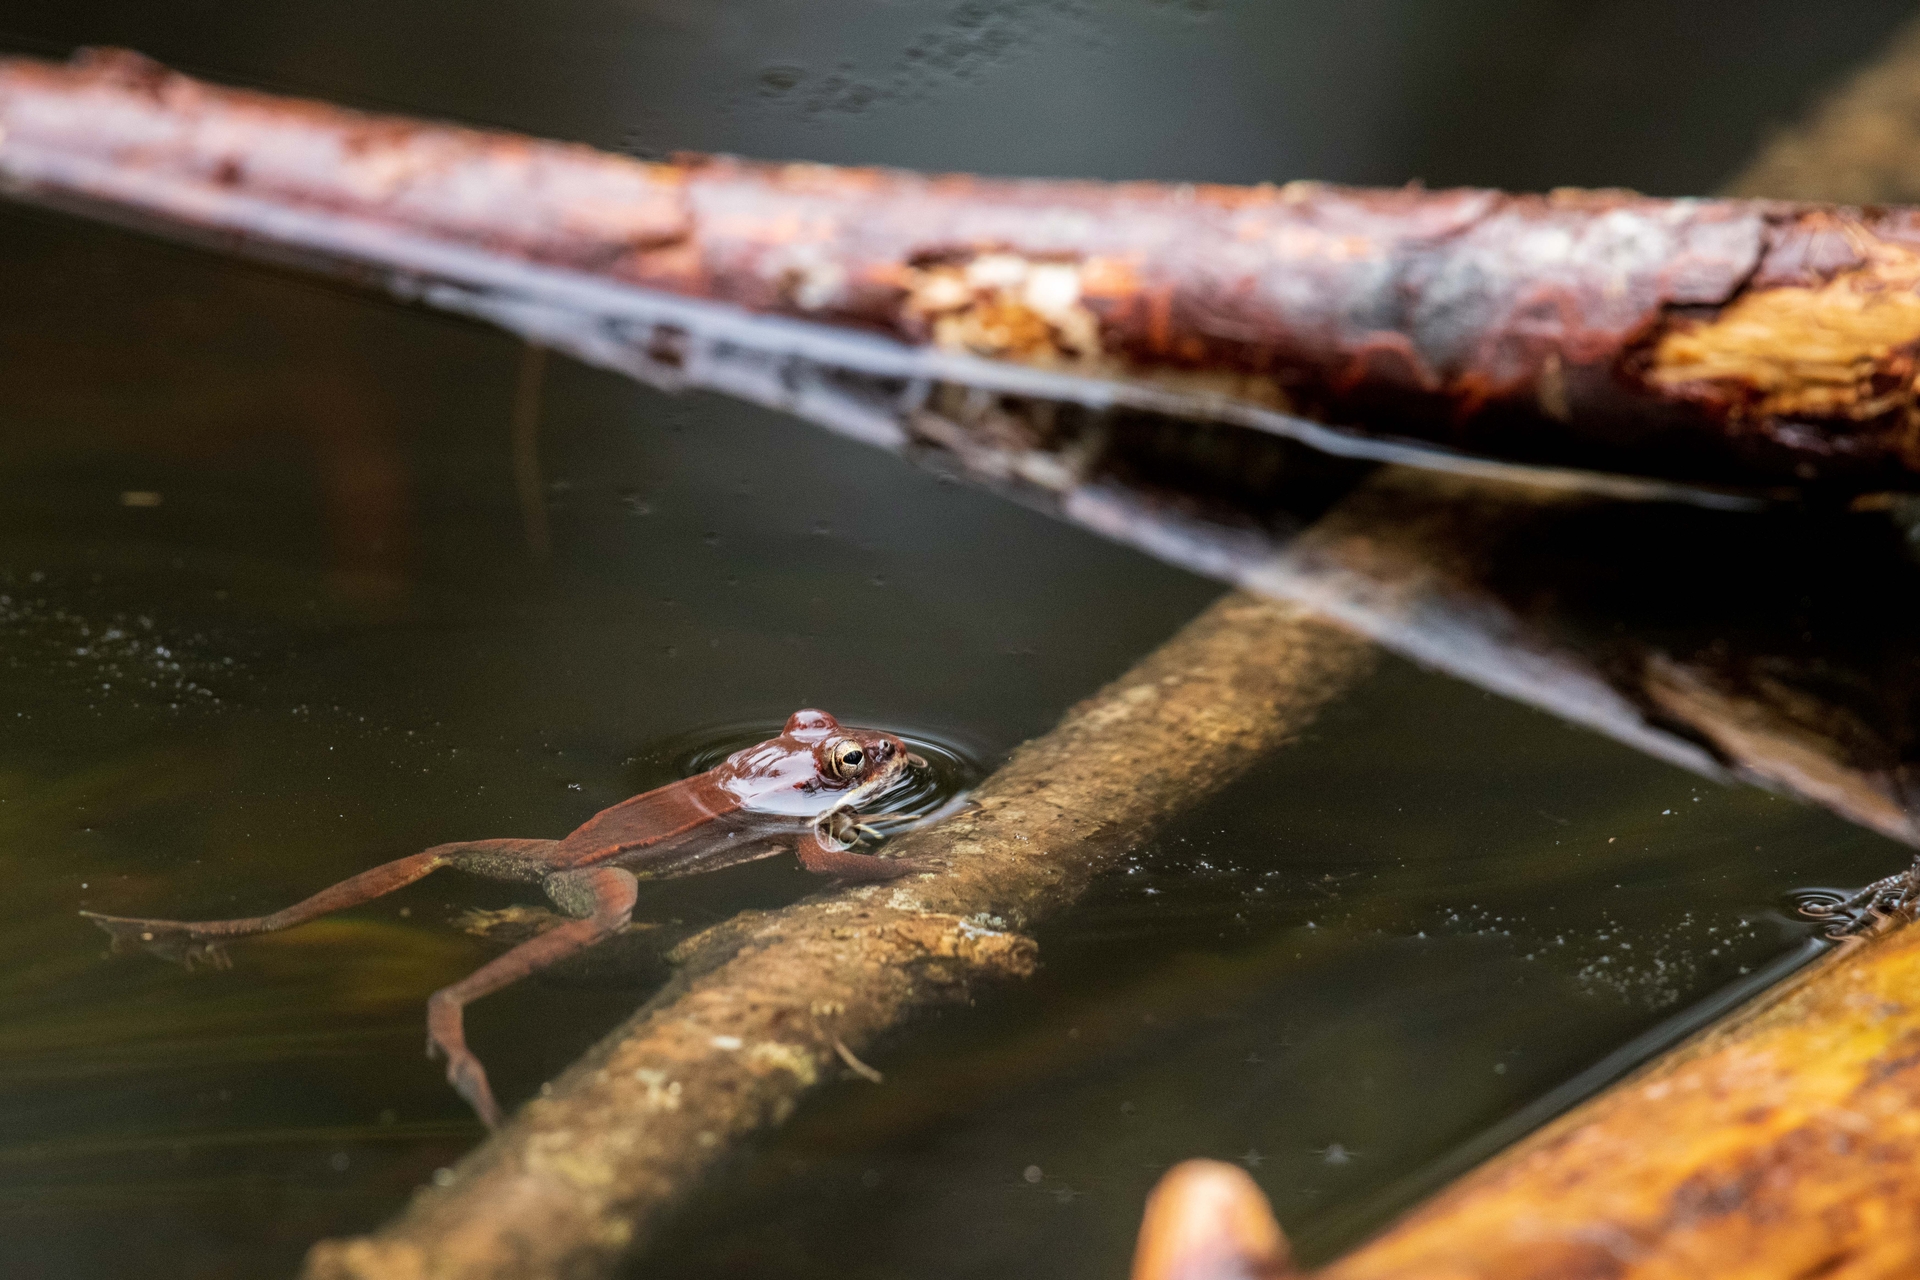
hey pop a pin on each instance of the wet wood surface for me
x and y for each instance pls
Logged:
(1718, 341)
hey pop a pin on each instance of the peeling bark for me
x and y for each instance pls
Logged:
(765, 1005)
(1715, 341)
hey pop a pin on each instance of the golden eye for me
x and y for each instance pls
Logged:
(846, 759)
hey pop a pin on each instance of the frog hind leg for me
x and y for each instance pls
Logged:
(602, 898)
(204, 941)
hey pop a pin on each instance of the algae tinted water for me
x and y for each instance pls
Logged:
(271, 614)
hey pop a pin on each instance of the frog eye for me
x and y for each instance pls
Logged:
(846, 758)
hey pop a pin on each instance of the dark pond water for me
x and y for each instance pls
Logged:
(271, 611)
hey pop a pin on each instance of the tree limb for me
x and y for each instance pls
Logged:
(1712, 341)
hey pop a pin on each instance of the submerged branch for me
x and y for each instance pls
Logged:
(769, 1006)
(1708, 341)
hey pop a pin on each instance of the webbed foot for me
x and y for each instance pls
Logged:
(445, 1038)
(173, 940)
(1884, 898)
(469, 1080)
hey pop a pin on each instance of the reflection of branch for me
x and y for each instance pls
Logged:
(764, 1003)
(1780, 648)
(1777, 646)
(1717, 341)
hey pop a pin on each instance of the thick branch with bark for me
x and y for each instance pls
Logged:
(769, 1006)
(1720, 341)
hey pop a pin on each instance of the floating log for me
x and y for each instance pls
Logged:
(620, 263)
(1717, 342)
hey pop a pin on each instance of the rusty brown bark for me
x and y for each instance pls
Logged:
(1719, 341)
(764, 1003)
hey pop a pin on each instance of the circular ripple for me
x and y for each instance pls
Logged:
(1818, 899)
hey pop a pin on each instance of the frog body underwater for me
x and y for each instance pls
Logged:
(799, 791)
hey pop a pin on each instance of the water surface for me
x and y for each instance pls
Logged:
(272, 609)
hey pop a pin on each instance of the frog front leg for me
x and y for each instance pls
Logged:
(823, 853)
(603, 897)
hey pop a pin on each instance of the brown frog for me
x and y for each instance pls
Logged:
(799, 791)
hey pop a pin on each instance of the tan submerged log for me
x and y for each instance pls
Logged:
(1708, 340)
(1783, 1144)
(767, 1004)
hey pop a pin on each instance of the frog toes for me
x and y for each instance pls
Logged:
(168, 939)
